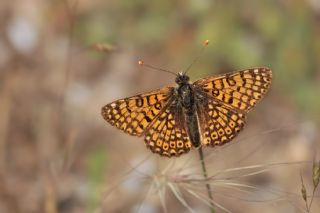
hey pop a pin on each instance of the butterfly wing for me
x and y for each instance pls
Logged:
(133, 115)
(219, 123)
(239, 90)
(167, 135)
(226, 99)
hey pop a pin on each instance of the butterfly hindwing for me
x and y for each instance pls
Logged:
(167, 135)
(239, 90)
(219, 124)
(133, 115)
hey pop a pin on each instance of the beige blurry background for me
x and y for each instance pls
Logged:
(61, 61)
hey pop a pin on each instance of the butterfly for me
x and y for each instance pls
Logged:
(209, 112)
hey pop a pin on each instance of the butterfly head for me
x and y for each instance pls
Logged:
(182, 78)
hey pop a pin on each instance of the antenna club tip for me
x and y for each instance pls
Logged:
(141, 63)
(206, 42)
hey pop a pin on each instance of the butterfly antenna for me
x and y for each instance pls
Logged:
(141, 63)
(205, 44)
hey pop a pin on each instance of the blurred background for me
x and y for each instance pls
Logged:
(61, 61)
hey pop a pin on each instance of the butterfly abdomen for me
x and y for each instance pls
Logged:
(193, 129)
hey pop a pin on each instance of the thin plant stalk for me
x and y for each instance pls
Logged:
(205, 175)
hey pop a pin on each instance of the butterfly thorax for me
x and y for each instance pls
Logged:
(186, 98)
(185, 92)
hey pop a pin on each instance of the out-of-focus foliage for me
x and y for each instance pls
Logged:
(61, 61)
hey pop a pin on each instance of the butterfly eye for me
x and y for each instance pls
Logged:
(178, 79)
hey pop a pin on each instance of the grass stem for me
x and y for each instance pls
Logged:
(205, 175)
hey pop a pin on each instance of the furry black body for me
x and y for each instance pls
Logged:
(187, 98)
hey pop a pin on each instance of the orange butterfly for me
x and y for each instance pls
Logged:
(210, 111)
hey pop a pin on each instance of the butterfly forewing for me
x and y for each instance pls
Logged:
(167, 135)
(133, 115)
(239, 90)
